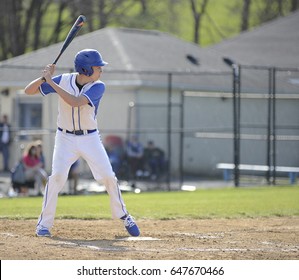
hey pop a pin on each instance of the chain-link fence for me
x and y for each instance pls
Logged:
(252, 131)
(247, 116)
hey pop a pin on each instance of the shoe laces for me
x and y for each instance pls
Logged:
(129, 221)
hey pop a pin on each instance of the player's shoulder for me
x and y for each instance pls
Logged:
(98, 85)
(99, 82)
(68, 76)
(96, 88)
(67, 79)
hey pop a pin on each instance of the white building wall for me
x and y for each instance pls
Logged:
(207, 113)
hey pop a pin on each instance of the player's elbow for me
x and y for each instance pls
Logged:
(30, 91)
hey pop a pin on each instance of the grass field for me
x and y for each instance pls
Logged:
(209, 203)
(246, 223)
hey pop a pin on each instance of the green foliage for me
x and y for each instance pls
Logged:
(36, 24)
(209, 203)
(215, 24)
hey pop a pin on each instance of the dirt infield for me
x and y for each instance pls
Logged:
(229, 239)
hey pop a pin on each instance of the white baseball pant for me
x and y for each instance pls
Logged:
(68, 148)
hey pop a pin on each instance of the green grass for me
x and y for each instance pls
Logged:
(212, 203)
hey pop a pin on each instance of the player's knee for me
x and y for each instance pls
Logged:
(109, 181)
(58, 179)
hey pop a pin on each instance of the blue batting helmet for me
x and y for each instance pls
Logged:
(87, 58)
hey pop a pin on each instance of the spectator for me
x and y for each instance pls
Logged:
(5, 139)
(115, 150)
(33, 169)
(135, 157)
(40, 153)
(73, 177)
(154, 160)
(114, 158)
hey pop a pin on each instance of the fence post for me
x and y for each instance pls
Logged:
(236, 114)
(181, 157)
(271, 137)
(270, 143)
(236, 121)
(274, 124)
(169, 128)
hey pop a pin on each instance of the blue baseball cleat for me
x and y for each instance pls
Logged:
(130, 225)
(42, 232)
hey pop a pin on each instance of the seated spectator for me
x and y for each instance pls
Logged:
(135, 157)
(73, 177)
(18, 180)
(34, 170)
(114, 159)
(5, 140)
(115, 150)
(40, 153)
(154, 160)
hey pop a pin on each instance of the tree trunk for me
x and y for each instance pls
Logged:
(295, 5)
(197, 16)
(143, 7)
(245, 15)
(102, 14)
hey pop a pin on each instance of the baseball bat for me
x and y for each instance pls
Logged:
(71, 35)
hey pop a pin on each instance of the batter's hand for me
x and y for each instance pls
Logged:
(49, 71)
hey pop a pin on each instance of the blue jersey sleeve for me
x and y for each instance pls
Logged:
(45, 88)
(94, 94)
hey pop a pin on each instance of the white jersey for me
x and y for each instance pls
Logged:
(76, 118)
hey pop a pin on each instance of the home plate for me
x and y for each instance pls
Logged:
(138, 239)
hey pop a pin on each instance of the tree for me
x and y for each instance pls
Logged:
(13, 38)
(294, 5)
(271, 9)
(245, 15)
(18, 20)
(259, 12)
(38, 10)
(111, 10)
(197, 16)
(87, 8)
(31, 24)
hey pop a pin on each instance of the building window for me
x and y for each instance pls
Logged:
(30, 115)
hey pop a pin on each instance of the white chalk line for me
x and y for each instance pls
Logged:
(151, 250)
(8, 234)
(138, 239)
(200, 236)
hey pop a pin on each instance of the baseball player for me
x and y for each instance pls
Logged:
(77, 135)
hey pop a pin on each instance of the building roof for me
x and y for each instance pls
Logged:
(123, 48)
(273, 44)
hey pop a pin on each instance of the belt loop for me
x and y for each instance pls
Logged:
(85, 131)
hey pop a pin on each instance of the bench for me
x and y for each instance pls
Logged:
(229, 167)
